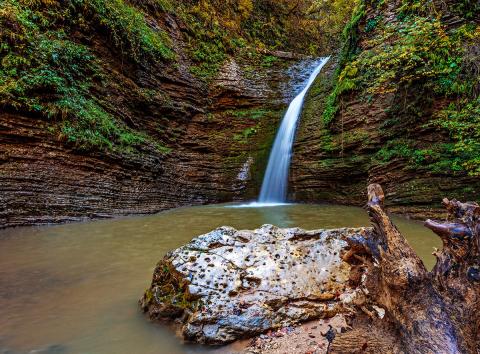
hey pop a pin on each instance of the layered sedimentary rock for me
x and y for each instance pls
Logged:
(231, 284)
(217, 137)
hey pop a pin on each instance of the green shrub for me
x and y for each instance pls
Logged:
(462, 121)
(44, 72)
(418, 60)
(128, 28)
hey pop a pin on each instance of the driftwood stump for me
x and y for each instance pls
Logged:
(431, 312)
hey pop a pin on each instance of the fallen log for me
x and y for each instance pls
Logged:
(432, 312)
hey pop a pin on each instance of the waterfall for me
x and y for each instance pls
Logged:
(275, 182)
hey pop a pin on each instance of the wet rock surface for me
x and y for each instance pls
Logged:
(231, 284)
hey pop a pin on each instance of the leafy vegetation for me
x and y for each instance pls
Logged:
(245, 135)
(422, 51)
(350, 38)
(462, 121)
(219, 28)
(417, 58)
(303, 25)
(128, 28)
(254, 113)
(45, 72)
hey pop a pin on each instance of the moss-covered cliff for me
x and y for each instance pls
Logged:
(399, 106)
(117, 107)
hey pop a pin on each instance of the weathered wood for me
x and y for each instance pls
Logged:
(456, 275)
(433, 312)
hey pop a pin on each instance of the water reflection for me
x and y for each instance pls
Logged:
(277, 216)
(276, 213)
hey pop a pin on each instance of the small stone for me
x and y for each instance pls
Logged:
(52, 349)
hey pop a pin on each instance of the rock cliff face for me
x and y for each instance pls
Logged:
(165, 136)
(218, 135)
(220, 138)
(382, 128)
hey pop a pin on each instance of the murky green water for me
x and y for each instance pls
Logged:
(74, 288)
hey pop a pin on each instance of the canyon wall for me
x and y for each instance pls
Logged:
(125, 107)
(391, 88)
(186, 140)
(220, 140)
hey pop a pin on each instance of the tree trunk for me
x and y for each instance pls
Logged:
(433, 312)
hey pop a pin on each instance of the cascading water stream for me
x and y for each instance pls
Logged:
(275, 182)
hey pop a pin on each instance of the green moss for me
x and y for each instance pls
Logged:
(343, 81)
(462, 121)
(253, 113)
(351, 34)
(155, 5)
(163, 149)
(208, 63)
(245, 135)
(148, 296)
(128, 28)
(354, 136)
(90, 125)
(44, 72)
(395, 149)
(439, 158)
(170, 289)
(372, 24)
(269, 60)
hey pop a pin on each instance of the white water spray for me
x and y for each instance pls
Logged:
(275, 182)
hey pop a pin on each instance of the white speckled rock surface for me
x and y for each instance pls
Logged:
(231, 284)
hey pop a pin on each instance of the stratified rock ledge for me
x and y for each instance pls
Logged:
(231, 284)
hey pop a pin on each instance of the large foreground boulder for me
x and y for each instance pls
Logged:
(231, 284)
